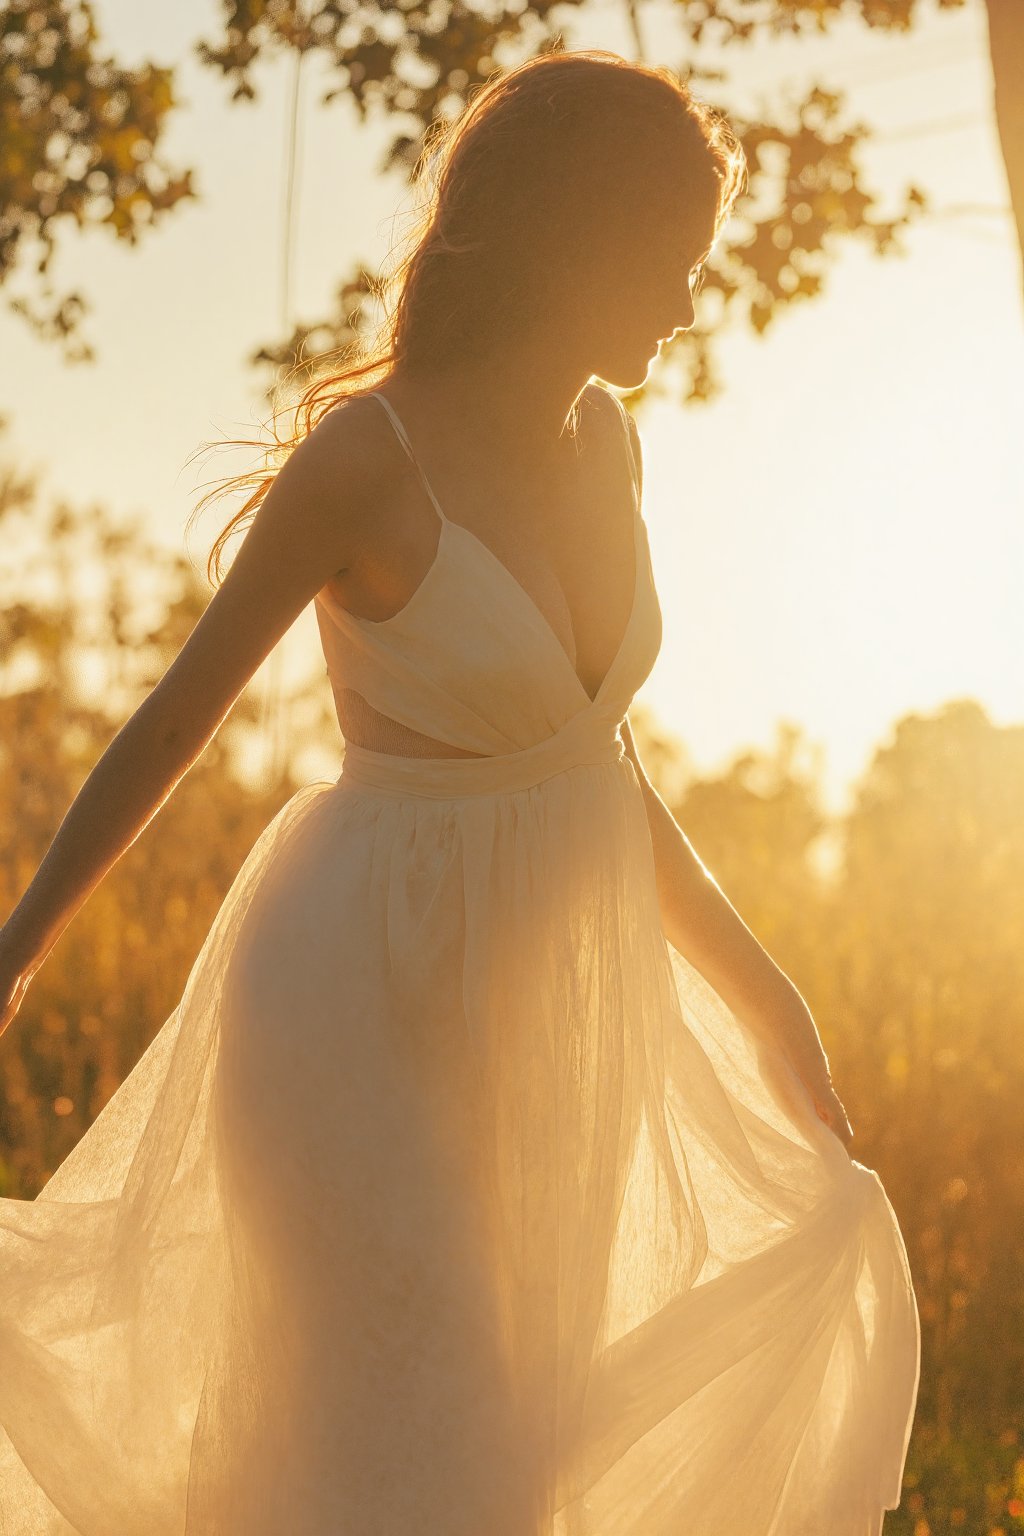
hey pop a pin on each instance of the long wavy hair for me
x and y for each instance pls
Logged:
(545, 158)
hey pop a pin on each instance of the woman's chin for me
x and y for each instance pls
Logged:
(628, 366)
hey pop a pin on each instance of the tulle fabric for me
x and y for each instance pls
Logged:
(454, 1202)
(451, 1198)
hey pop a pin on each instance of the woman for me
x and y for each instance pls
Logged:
(489, 1176)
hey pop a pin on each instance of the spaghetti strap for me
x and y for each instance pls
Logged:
(403, 438)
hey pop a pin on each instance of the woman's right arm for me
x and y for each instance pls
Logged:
(302, 534)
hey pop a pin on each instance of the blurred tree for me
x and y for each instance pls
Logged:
(927, 985)
(1006, 45)
(746, 20)
(78, 139)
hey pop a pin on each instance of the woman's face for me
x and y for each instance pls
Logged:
(649, 291)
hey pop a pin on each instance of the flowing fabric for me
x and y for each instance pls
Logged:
(452, 1200)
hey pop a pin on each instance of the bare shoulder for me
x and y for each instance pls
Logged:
(340, 469)
(356, 426)
(598, 402)
(603, 407)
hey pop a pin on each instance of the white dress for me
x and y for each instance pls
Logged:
(451, 1200)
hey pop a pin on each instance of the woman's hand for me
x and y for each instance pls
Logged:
(795, 1031)
(829, 1106)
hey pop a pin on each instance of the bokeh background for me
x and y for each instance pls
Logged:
(191, 200)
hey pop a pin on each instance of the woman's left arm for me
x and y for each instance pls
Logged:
(698, 918)
(703, 925)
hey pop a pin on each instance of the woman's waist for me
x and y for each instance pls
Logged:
(590, 737)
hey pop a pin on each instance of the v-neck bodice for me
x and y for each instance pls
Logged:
(449, 529)
(470, 659)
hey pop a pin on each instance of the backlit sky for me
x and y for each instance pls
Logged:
(837, 540)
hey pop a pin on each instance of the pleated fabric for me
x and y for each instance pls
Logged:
(451, 1198)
